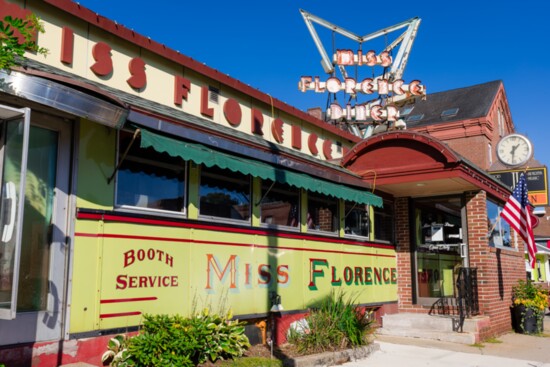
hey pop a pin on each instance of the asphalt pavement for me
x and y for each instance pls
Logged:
(509, 350)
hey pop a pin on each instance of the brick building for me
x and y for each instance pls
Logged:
(469, 121)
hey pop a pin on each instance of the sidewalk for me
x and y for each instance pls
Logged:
(515, 350)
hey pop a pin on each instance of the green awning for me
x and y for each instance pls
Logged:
(201, 154)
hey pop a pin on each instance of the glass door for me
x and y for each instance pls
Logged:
(14, 132)
(39, 291)
(439, 243)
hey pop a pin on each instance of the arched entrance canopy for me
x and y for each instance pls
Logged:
(407, 163)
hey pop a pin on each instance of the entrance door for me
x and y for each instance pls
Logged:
(37, 264)
(439, 245)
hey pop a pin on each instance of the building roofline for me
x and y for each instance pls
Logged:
(87, 15)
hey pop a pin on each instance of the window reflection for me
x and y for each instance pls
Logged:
(149, 179)
(322, 213)
(498, 231)
(224, 194)
(280, 204)
(384, 222)
(356, 219)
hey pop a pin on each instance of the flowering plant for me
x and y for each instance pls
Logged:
(529, 302)
(530, 295)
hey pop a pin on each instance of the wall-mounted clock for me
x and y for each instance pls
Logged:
(514, 150)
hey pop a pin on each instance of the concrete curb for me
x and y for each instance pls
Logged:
(332, 358)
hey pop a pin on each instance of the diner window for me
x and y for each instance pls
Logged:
(149, 179)
(224, 194)
(356, 219)
(280, 204)
(498, 230)
(322, 213)
(384, 223)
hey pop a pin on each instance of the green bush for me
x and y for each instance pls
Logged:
(336, 324)
(177, 341)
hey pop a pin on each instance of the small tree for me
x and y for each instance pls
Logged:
(16, 37)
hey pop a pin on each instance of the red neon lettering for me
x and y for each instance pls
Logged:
(370, 58)
(305, 81)
(385, 59)
(415, 88)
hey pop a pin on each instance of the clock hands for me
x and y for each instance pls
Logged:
(513, 152)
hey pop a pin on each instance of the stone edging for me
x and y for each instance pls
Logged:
(332, 358)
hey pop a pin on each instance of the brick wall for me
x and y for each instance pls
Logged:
(403, 249)
(497, 269)
(475, 148)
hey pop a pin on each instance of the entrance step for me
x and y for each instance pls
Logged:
(435, 327)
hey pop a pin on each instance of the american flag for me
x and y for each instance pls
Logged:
(517, 212)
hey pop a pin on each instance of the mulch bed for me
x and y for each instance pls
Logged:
(281, 352)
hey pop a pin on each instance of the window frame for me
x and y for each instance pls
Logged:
(319, 198)
(214, 218)
(367, 210)
(498, 223)
(272, 186)
(140, 209)
(384, 212)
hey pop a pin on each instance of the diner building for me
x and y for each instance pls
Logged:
(136, 180)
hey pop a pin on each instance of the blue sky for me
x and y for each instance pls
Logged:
(267, 45)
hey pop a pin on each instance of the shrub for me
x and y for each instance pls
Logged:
(117, 354)
(177, 341)
(336, 324)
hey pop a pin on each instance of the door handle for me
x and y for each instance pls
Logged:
(11, 196)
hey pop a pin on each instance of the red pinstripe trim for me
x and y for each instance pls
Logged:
(165, 223)
(219, 243)
(120, 300)
(121, 314)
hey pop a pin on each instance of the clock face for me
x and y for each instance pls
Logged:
(514, 150)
